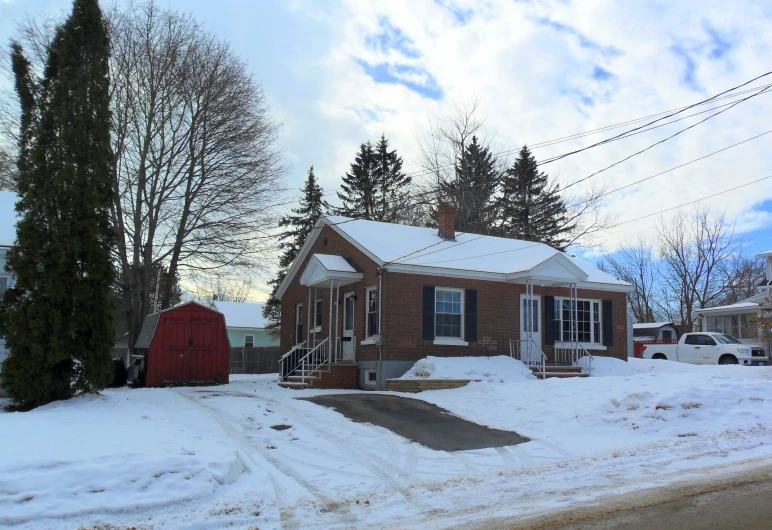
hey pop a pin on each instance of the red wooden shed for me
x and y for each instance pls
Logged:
(187, 343)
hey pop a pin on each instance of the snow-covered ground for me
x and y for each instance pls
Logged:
(211, 457)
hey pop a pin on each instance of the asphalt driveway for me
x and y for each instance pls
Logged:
(418, 421)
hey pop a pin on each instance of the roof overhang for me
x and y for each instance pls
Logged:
(729, 310)
(321, 271)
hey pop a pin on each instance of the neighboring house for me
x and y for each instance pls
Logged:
(649, 331)
(372, 298)
(7, 237)
(737, 319)
(246, 325)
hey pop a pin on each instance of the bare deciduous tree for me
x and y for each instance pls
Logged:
(195, 166)
(694, 250)
(637, 265)
(742, 277)
(220, 287)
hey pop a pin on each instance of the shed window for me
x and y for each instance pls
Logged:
(249, 341)
(448, 313)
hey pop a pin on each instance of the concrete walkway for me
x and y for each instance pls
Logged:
(421, 422)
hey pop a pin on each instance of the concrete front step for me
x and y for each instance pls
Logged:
(561, 372)
(562, 375)
(561, 368)
(294, 386)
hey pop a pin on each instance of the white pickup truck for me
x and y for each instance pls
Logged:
(708, 348)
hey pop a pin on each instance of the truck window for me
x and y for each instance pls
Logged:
(690, 339)
(705, 340)
(727, 339)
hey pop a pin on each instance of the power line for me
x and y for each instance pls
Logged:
(672, 169)
(614, 226)
(663, 140)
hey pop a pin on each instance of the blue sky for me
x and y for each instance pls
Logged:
(340, 72)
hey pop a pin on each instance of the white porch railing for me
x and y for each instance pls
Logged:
(309, 363)
(288, 362)
(571, 353)
(529, 353)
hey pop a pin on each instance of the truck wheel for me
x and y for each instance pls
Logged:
(728, 359)
(659, 357)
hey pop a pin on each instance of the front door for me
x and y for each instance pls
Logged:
(177, 346)
(347, 342)
(530, 323)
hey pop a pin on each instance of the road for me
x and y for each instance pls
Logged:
(728, 502)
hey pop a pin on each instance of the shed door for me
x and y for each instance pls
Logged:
(203, 351)
(176, 365)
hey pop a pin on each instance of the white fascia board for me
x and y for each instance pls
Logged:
(306, 248)
(726, 311)
(605, 287)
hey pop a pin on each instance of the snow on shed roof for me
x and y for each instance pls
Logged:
(471, 252)
(8, 217)
(242, 314)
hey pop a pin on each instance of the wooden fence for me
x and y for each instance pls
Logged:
(260, 360)
(640, 345)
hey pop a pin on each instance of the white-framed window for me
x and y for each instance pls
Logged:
(371, 311)
(739, 326)
(249, 341)
(318, 315)
(371, 377)
(588, 321)
(448, 313)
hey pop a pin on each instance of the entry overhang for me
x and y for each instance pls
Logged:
(554, 271)
(324, 268)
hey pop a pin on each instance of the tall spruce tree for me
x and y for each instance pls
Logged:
(297, 228)
(530, 207)
(57, 319)
(392, 183)
(359, 188)
(473, 190)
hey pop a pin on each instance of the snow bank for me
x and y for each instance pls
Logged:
(498, 369)
(650, 366)
(607, 366)
(123, 450)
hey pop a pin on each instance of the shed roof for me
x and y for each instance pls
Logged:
(652, 325)
(242, 314)
(151, 321)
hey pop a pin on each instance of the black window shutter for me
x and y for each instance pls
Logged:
(608, 324)
(549, 319)
(470, 312)
(428, 312)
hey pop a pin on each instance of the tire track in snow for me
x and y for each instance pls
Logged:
(287, 516)
(383, 469)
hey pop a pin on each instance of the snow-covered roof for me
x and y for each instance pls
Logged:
(651, 325)
(420, 250)
(242, 314)
(403, 244)
(8, 217)
(764, 254)
(334, 263)
(739, 306)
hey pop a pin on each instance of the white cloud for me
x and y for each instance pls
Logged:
(549, 69)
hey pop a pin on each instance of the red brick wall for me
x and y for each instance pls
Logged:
(498, 304)
(341, 376)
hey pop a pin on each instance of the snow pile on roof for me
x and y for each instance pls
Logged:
(403, 244)
(242, 314)
(8, 218)
(731, 307)
(607, 367)
(122, 451)
(498, 369)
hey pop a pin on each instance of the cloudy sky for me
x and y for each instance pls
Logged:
(339, 72)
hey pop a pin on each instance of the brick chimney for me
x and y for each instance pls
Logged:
(447, 221)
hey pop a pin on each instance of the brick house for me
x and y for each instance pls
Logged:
(365, 300)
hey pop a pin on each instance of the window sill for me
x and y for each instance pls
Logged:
(317, 329)
(368, 342)
(450, 342)
(587, 346)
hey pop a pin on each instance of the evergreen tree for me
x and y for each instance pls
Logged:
(392, 183)
(57, 319)
(297, 228)
(360, 189)
(473, 190)
(530, 207)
